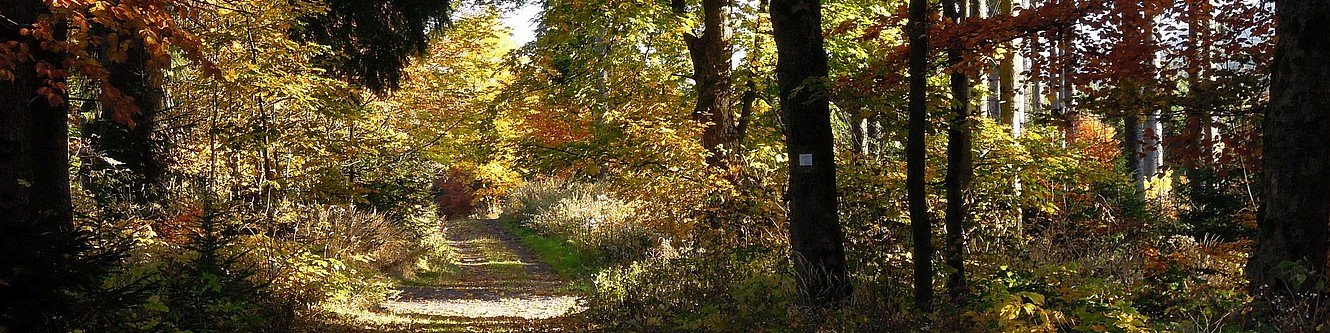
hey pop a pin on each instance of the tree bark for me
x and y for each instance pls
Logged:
(133, 145)
(1131, 150)
(1006, 73)
(915, 155)
(34, 149)
(1152, 144)
(801, 71)
(960, 164)
(1295, 212)
(710, 53)
(1061, 106)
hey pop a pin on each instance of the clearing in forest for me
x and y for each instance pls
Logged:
(497, 285)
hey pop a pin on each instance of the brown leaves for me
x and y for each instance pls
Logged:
(79, 30)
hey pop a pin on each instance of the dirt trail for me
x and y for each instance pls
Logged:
(498, 286)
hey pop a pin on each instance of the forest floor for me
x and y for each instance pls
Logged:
(497, 285)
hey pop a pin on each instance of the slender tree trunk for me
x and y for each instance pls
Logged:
(1062, 96)
(34, 148)
(710, 54)
(1295, 212)
(1152, 138)
(1006, 74)
(858, 137)
(873, 133)
(1036, 96)
(960, 167)
(747, 102)
(815, 233)
(915, 155)
(1133, 140)
(1131, 149)
(1197, 124)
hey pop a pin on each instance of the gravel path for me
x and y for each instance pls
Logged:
(500, 281)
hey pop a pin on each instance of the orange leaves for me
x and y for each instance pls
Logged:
(1096, 139)
(122, 105)
(984, 35)
(552, 131)
(79, 30)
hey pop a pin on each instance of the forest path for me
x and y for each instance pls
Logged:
(497, 285)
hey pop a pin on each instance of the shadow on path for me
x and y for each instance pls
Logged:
(498, 286)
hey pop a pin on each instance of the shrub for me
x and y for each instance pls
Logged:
(694, 291)
(349, 234)
(595, 223)
(1054, 299)
(454, 194)
(533, 197)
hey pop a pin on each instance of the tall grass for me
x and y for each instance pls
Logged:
(593, 221)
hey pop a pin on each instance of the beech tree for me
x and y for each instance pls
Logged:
(1006, 76)
(815, 232)
(1295, 214)
(710, 53)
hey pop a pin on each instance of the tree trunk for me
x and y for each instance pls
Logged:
(1152, 147)
(915, 155)
(1197, 124)
(1006, 73)
(1152, 136)
(41, 255)
(1295, 212)
(710, 54)
(858, 134)
(1035, 97)
(1131, 150)
(873, 133)
(815, 234)
(960, 167)
(34, 150)
(133, 145)
(1062, 96)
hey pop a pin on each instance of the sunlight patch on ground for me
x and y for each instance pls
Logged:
(524, 307)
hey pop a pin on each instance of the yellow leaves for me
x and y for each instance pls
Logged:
(1022, 312)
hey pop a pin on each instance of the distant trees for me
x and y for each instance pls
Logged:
(815, 231)
(1291, 244)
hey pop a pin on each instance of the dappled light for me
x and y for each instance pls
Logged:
(1033, 166)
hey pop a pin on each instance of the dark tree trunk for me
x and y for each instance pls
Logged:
(711, 54)
(40, 249)
(960, 164)
(815, 234)
(1295, 212)
(1131, 149)
(915, 153)
(134, 145)
(745, 115)
(34, 150)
